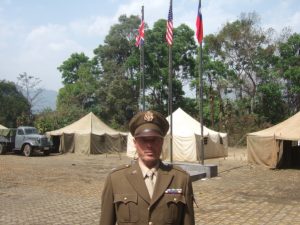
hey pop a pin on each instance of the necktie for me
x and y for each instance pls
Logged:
(150, 182)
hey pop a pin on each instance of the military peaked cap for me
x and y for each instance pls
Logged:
(148, 123)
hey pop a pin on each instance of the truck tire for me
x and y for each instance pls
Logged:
(2, 149)
(27, 150)
(46, 152)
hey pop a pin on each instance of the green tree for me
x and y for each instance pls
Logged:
(46, 121)
(13, 105)
(69, 68)
(239, 66)
(269, 100)
(118, 59)
(218, 79)
(270, 103)
(240, 45)
(289, 69)
(81, 79)
(157, 66)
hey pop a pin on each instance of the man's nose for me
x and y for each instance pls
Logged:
(149, 143)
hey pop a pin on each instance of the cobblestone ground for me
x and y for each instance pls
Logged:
(66, 190)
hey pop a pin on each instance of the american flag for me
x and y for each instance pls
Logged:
(169, 34)
(139, 40)
(199, 25)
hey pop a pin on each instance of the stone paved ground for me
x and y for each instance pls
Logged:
(66, 190)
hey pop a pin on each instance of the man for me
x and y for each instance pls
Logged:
(148, 192)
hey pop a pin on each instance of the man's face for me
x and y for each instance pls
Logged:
(149, 149)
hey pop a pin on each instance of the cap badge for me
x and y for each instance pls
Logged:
(148, 116)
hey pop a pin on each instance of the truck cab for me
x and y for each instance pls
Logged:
(26, 140)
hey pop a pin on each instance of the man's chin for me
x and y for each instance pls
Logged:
(150, 160)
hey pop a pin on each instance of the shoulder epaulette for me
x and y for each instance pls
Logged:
(125, 166)
(176, 167)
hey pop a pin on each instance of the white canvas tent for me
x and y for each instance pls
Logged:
(186, 140)
(270, 147)
(89, 135)
(2, 127)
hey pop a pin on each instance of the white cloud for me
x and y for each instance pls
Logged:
(39, 47)
(46, 42)
(156, 10)
(49, 31)
(4, 34)
(281, 15)
(95, 26)
(8, 32)
(43, 50)
(294, 21)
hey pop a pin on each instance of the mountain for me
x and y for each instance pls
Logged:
(47, 99)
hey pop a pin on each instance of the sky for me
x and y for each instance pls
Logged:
(36, 36)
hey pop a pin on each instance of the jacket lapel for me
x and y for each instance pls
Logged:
(135, 178)
(163, 181)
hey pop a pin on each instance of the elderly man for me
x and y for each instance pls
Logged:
(148, 192)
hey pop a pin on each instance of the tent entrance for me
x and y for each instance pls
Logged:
(290, 155)
(56, 143)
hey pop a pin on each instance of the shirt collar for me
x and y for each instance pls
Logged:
(145, 169)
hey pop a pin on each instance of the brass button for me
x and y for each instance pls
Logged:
(175, 199)
(125, 198)
(150, 223)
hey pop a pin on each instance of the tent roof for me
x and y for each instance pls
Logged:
(287, 130)
(86, 125)
(184, 125)
(2, 127)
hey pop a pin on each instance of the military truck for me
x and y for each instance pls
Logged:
(24, 139)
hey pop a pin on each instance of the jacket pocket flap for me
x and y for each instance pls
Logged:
(175, 198)
(125, 198)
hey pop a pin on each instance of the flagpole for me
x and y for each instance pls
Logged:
(169, 38)
(201, 102)
(142, 63)
(171, 103)
(199, 35)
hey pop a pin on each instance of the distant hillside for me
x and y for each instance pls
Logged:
(47, 99)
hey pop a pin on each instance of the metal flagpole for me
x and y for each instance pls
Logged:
(142, 61)
(169, 38)
(171, 103)
(140, 43)
(201, 104)
(199, 35)
(141, 99)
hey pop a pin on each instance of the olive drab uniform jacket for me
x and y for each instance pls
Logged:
(126, 201)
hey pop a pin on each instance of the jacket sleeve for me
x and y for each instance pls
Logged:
(189, 218)
(108, 215)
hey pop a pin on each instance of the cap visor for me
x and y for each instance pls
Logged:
(148, 133)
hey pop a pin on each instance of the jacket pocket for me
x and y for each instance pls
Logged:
(176, 204)
(126, 207)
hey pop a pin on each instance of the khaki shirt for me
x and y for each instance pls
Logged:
(125, 198)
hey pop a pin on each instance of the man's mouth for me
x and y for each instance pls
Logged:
(148, 153)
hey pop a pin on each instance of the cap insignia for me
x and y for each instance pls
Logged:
(148, 116)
